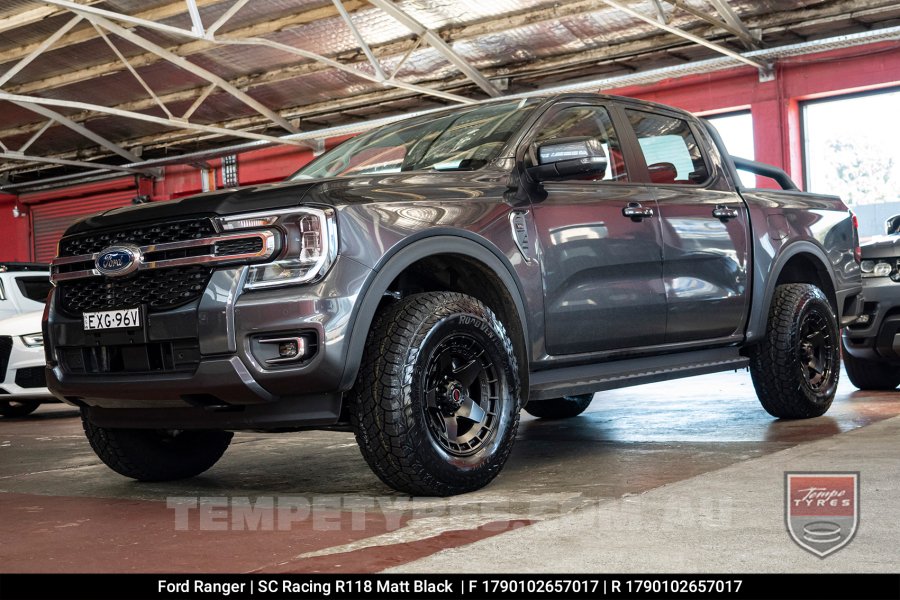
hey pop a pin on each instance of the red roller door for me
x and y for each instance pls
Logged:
(49, 219)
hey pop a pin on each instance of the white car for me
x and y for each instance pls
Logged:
(23, 387)
(23, 288)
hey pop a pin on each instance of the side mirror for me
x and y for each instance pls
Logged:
(568, 157)
(892, 225)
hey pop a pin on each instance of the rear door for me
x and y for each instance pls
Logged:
(602, 271)
(705, 231)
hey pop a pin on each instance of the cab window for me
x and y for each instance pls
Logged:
(587, 121)
(670, 149)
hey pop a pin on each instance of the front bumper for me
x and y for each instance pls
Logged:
(23, 378)
(878, 338)
(226, 383)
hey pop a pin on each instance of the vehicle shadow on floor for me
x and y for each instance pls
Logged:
(580, 457)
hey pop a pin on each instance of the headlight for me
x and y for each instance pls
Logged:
(309, 249)
(33, 340)
(880, 268)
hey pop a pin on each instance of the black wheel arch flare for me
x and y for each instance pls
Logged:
(424, 245)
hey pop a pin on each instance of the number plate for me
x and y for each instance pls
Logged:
(112, 319)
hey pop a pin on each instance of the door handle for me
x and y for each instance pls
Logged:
(636, 212)
(723, 212)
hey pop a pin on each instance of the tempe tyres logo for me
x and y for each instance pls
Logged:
(821, 510)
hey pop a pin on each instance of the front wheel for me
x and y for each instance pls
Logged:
(157, 455)
(18, 408)
(795, 368)
(559, 408)
(871, 374)
(435, 407)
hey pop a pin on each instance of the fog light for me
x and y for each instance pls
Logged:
(290, 349)
(863, 318)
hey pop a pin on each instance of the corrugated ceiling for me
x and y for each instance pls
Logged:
(520, 44)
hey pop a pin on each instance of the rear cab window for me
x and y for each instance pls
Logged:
(670, 150)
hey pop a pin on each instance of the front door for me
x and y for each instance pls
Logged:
(602, 270)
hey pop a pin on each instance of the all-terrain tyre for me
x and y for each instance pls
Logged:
(871, 374)
(157, 455)
(435, 407)
(559, 408)
(17, 408)
(795, 368)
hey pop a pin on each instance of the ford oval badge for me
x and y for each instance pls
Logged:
(117, 261)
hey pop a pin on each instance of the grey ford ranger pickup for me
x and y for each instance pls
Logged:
(423, 282)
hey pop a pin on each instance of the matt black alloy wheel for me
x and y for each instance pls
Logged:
(796, 366)
(816, 350)
(462, 392)
(436, 403)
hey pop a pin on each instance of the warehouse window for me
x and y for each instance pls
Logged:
(736, 129)
(850, 149)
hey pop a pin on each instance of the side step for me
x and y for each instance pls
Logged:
(583, 379)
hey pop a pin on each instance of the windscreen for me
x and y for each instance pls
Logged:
(462, 140)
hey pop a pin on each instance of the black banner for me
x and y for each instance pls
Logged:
(338, 586)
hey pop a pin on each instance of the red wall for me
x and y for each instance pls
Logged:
(15, 233)
(265, 165)
(774, 105)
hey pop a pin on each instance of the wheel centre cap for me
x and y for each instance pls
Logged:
(454, 396)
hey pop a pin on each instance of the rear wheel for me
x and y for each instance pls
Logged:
(157, 455)
(795, 368)
(559, 408)
(18, 408)
(870, 374)
(435, 407)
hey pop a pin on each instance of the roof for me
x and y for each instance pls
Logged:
(118, 82)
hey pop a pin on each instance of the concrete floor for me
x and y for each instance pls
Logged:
(677, 476)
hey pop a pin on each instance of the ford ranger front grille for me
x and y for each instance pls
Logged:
(160, 289)
(239, 246)
(162, 274)
(175, 231)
